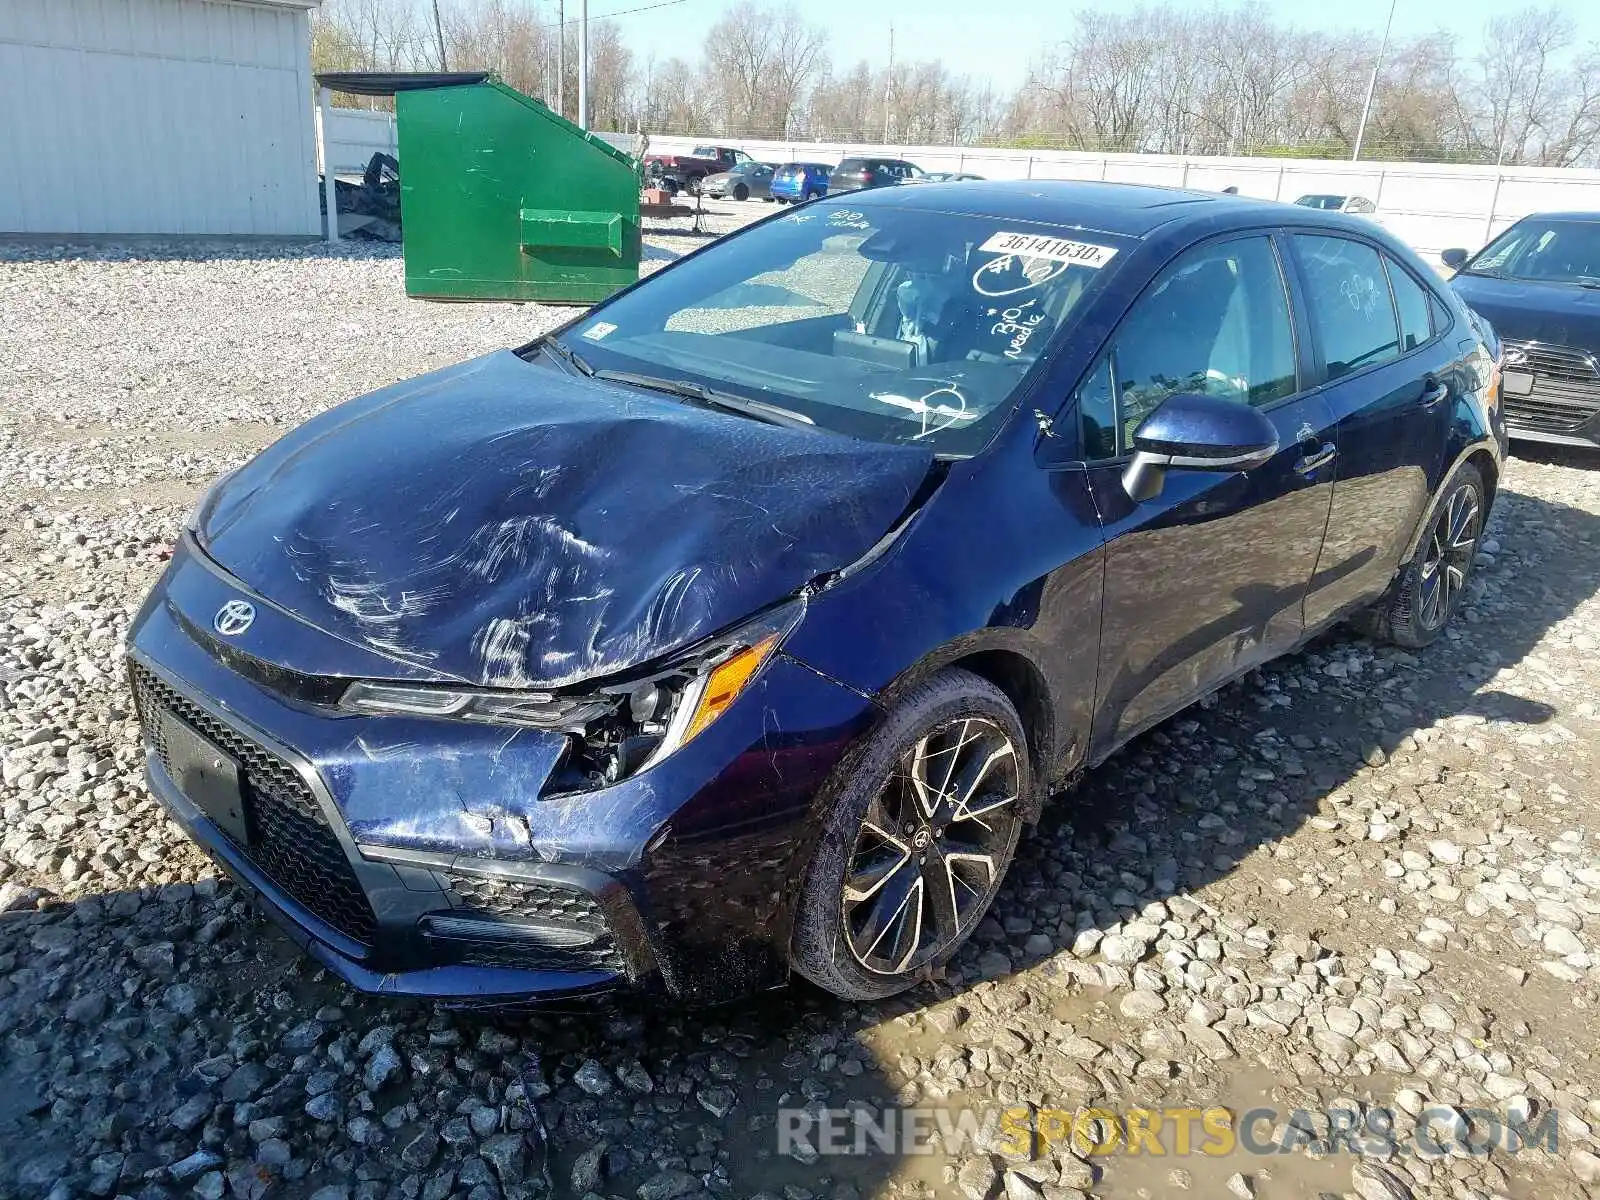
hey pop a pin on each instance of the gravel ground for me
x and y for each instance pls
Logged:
(1359, 878)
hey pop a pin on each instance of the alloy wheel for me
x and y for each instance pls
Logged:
(1452, 545)
(931, 846)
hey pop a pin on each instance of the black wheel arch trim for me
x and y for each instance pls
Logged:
(1481, 448)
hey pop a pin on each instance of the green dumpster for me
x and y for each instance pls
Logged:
(503, 199)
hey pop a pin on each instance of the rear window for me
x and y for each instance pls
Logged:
(853, 164)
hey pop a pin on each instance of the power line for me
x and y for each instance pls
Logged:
(624, 12)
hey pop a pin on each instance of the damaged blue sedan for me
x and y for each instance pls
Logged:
(739, 627)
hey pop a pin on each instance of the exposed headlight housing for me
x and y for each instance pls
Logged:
(615, 729)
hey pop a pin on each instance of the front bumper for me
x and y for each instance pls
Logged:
(417, 856)
(1524, 430)
(383, 920)
(1562, 403)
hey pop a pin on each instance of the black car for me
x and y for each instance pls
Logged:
(855, 173)
(1538, 283)
(740, 626)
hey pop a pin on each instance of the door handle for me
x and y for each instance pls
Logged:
(1435, 392)
(1316, 459)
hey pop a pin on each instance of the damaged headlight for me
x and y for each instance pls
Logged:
(616, 729)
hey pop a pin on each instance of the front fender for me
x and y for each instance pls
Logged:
(1001, 572)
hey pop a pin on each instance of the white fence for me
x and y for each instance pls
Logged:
(354, 136)
(1432, 206)
(357, 134)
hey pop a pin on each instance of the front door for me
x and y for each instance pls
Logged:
(1208, 578)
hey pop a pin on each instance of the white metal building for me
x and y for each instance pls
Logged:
(157, 117)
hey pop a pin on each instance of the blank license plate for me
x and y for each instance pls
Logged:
(208, 776)
(1516, 383)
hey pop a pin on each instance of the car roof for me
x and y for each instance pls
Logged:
(1563, 216)
(1131, 209)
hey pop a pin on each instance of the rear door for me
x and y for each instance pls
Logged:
(1390, 378)
(1208, 578)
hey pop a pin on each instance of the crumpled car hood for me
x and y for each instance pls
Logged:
(506, 524)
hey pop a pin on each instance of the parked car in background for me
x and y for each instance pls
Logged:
(688, 171)
(794, 183)
(949, 176)
(1332, 203)
(854, 174)
(741, 625)
(747, 181)
(1538, 283)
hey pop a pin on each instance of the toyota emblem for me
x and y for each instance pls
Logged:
(234, 617)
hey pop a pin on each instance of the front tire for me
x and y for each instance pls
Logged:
(694, 184)
(1432, 584)
(924, 822)
(741, 193)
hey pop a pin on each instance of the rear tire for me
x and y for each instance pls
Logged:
(924, 820)
(694, 184)
(741, 192)
(1431, 586)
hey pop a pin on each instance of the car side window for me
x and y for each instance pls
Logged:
(1411, 302)
(1350, 302)
(1215, 321)
(1441, 315)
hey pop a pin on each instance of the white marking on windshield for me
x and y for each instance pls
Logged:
(936, 417)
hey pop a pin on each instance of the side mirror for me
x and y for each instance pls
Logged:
(1193, 432)
(1455, 258)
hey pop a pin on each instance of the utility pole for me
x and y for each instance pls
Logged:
(561, 57)
(438, 32)
(583, 64)
(1372, 82)
(888, 89)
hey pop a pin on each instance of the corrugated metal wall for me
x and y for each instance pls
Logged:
(156, 117)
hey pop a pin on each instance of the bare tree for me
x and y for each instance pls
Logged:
(1527, 104)
(759, 60)
(1153, 77)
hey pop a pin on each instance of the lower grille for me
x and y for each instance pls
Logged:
(1566, 387)
(572, 917)
(291, 843)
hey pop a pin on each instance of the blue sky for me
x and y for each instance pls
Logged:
(980, 39)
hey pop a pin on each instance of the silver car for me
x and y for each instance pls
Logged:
(744, 182)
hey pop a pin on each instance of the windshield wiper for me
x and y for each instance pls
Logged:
(758, 410)
(563, 351)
